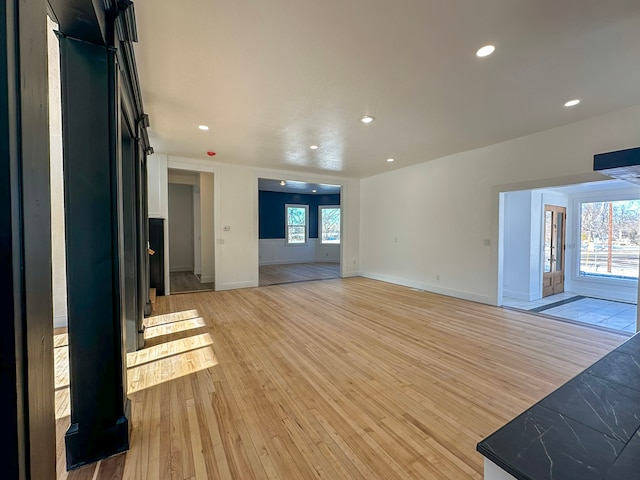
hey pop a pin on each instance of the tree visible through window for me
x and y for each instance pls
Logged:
(609, 239)
(329, 224)
(296, 224)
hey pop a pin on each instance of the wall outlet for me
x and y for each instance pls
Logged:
(437, 276)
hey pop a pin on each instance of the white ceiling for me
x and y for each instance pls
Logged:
(290, 186)
(593, 187)
(272, 78)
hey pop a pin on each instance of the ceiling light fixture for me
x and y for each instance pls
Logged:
(485, 51)
(283, 183)
(313, 147)
(367, 119)
(389, 160)
(572, 103)
(203, 127)
(314, 191)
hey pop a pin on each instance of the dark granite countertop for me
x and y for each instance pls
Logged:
(589, 428)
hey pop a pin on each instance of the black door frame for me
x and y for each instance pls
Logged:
(26, 345)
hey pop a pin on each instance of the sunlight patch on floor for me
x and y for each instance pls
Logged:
(169, 368)
(175, 327)
(170, 318)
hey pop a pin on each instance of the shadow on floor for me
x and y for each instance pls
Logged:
(188, 282)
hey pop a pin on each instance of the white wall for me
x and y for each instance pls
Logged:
(435, 225)
(517, 244)
(275, 251)
(181, 229)
(197, 230)
(537, 246)
(58, 255)
(235, 205)
(327, 252)
(350, 236)
(183, 177)
(523, 241)
(207, 229)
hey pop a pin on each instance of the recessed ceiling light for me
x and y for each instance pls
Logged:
(367, 119)
(283, 183)
(390, 160)
(313, 147)
(203, 127)
(572, 103)
(313, 191)
(486, 51)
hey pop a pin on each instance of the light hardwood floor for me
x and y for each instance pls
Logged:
(297, 272)
(340, 379)
(187, 282)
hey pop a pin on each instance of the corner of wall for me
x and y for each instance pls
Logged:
(60, 321)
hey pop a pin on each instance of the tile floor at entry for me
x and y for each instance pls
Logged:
(594, 311)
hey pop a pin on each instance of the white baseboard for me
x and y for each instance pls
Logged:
(303, 260)
(208, 279)
(233, 286)
(326, 260)
(474, 297)
(515, 294)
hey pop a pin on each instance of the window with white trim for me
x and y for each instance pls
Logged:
(610, 239)
(329, 228)
(297, 220)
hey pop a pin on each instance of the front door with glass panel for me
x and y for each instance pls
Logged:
(555, 219)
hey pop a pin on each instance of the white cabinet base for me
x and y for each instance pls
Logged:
(494, 472)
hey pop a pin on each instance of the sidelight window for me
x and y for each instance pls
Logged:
(297, 220)
(329, 225)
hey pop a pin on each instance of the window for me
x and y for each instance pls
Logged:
(609, 240)
(329, 224)
(296, 216)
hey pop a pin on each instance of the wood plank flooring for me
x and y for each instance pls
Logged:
(340, 379)
(187, 282)
(297, 272)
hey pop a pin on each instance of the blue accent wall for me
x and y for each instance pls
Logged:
(272, 216)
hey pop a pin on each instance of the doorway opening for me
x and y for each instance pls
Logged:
(571, 253)
(299, 231)
(191, 234)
